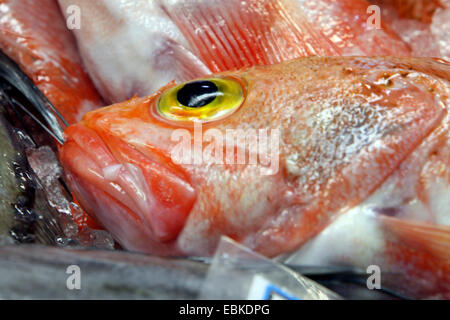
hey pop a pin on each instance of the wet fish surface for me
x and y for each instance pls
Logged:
(363, 145)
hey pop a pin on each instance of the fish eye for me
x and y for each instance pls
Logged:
(201, 100)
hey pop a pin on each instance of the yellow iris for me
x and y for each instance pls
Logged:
(201, 100)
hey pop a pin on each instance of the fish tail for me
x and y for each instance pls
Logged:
(422, 251)
(235, 34)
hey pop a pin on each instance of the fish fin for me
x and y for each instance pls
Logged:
(235, 34)
(420, 254)
(15, 77)
(434, 239)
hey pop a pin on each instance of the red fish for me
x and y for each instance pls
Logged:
(362, 174)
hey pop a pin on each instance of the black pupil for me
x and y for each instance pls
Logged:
(197, 94)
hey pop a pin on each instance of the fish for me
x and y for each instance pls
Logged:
(349, 282)
(354, 169)
(135, 47)
(35, 35)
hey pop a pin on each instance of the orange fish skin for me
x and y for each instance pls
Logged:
(349, 126)
(34, 34)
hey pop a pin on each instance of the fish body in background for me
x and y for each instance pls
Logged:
(351, 26)
(421, 10)
(135, 47)
(35, 35)
(362, 177)
(423, 24)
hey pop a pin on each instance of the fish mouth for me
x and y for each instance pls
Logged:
(144, 202)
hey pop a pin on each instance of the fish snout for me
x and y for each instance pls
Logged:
(143, 202)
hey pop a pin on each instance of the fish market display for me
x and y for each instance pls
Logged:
(363, 139)
(315, 133)
(34, 34)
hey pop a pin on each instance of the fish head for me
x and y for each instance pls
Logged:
(267, 155)
(138, 168)
(133, 188)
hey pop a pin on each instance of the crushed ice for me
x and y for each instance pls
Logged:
(49, 172)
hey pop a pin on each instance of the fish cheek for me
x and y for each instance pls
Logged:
(340, 152)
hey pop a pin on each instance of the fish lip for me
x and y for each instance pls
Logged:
(128, 186)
